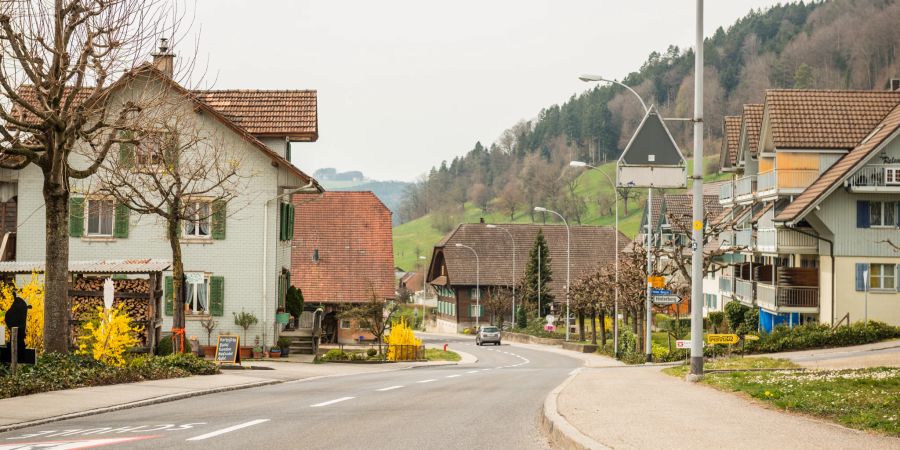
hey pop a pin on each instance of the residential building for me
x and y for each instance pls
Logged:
(816, 191)
(343, 255)
(455, 272)
(235, 257)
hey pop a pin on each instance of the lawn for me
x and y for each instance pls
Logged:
(865, 399)
(436, 354)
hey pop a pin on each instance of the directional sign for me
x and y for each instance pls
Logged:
(661, 292)
(657, 282)
(751, 337)
(665, 299)
(722, 338)
(682, 344)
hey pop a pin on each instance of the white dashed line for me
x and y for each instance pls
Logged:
(426, 381)
(453, 376)
(472, 371)
(228, 430)
(331, 402)
(390, 388)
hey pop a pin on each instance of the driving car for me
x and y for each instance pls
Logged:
(487, 335)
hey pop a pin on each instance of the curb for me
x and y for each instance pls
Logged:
(136, 404)
(560, 432)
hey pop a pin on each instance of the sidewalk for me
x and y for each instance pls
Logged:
(640, 407)
(19, 412)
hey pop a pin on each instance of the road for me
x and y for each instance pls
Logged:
(492, 403)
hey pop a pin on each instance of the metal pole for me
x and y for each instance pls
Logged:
(538, 314)
(13, 350)
(866, 284)
(568, 265)
(477, 291)
(697, 256)
(616, 298)
(648, 350)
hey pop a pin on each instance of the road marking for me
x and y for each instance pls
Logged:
(331, 402)
(228, 430)
(452, 376)
(391, 388)
(472, 371)
(574, 371)
(426, 381)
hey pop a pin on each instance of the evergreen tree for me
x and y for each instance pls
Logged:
(533, 276)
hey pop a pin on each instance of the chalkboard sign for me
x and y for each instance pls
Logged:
(228, 349)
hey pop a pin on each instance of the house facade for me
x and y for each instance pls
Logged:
(815, 183)
(343, 256)
(234, 257)
(455, 272)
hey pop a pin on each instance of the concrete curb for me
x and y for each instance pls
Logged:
(466, 358)
(559, 431)
(137, 404)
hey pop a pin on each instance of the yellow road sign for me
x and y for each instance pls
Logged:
(698, 224)
(751, 337)
(722, 339)
(657, 282)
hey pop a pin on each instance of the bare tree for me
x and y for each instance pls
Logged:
(479, 195)
(511, 198)
(497, 303)
(60, 60)
(373, 316)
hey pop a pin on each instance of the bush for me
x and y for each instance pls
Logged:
(284, 342)
(809, 336)
(716, 320)
(293, 302)
(521, 318)
(336, 355)
(371, 352)
(627, 341)
(735, 312)
(164, 347)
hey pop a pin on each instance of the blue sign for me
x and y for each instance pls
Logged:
(661, 292)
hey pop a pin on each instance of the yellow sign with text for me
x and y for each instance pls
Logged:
(657, 282)
(714, 339)
(751, 337)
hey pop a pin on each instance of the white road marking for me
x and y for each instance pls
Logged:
(390, 388)
(574, 371)
(331, 402)
(452, 376)
(228, 430)
(472, 371)
(426, 381)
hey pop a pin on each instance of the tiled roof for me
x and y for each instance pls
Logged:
(824, 119)
(681, 205)
(268, 113)
(848, 164)
(713, 187)
(731, 141)
(352, 233)
(752, 116)
(112, 266)
(590, 246)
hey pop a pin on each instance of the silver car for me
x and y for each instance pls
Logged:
(488, 335)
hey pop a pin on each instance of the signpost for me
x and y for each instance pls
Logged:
(727, 339)
(682, 344)
(666, 299)
(661, 292)
(228, 349)
(657, 282)
(751, 337)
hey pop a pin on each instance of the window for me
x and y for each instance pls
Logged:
(881, 276)
(892, 175)
(197, 298)
(197, 226)
(345, 324)
(882, 214)
(473, 294)
(100, 215)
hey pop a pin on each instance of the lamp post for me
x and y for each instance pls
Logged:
(568, 259)
(513, 240)
(616, 297)
(477, 284)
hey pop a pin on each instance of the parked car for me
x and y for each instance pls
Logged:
(487, 334)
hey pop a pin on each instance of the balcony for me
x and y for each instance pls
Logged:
(793, 289)
(726, 194)
(785, 181)
(744, 238)
(744, 188)
(876, 178)
(779, 240)
(744, 290)
(726, 284)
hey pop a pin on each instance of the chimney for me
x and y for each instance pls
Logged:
(164, 60)
(894, 84)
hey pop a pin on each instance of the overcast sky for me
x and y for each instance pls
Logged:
(403, 85)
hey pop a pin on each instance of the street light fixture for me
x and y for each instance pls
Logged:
(616, 301)
(513, 240)
(568, 260)
(477, 284)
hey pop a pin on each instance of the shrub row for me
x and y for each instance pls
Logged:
(810, 336)
(53, 372)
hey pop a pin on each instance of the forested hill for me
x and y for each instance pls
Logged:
(840, 44)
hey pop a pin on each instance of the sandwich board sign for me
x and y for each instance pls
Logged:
(651, 158)
(228, 349)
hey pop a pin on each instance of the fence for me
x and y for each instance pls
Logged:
(398, 352)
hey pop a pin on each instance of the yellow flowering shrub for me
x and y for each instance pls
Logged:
(33, 294)
(402, 335)
(107, 336)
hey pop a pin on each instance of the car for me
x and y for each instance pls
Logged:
(487, 335)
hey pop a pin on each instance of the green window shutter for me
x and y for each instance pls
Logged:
(126, 151)
(219, 216)
(121, 226)
(169, 300)
(217, 296)
(293, 215)
(76, 217)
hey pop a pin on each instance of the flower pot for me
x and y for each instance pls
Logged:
(285, 351)
(246, 352)
(209, 351)
(257, 355)
(275, 353)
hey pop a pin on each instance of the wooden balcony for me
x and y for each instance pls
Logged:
(876, 178)
(780, 240)
(792, 289)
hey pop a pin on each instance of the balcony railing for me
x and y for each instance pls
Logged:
(744, 238)
(765, 181)
(797, 297)
(726, 194)
(786, 180)
(775, 240)
(745, 186)
(726, 284)
(744, 290)
(876, 176)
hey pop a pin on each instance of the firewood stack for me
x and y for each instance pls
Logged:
(86, 295)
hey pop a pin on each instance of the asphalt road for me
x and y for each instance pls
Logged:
(493, 403)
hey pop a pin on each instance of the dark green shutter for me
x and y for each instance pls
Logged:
(282, 221)
(76, 217)
(122, 213)
(219, 216)
(170, 290)
(126, 150)
(217, 296)
(292, 215)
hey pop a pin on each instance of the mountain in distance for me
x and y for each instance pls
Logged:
(390, 193)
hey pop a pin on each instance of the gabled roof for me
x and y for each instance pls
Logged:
(291, 113)
(352, 233)
(846, 166)
(825, 119)
(590, 246)
(730, 141)
(751, 122)
(680, 205)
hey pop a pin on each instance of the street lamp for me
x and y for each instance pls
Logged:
(568, 260)
(513, 240)
(477, 284)
(616, 298)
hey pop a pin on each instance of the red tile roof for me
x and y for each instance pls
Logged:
(731, 141)
(268, 113)
(352, 233)
(751, 116)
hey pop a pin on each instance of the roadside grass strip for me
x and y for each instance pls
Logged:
(865, 399)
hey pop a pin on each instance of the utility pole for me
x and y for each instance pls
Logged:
(697, 256)
(648, 349)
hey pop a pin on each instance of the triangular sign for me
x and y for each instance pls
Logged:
(652, 145)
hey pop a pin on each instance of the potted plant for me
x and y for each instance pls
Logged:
(208, 324)
(257, 352)
(245, 320)
(275, 352)
(284, 343)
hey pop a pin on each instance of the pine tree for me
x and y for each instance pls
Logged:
(532, 276)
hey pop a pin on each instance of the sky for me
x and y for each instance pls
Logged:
(403, 85)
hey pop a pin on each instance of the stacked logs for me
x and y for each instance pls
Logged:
(137, 285)
(85, 305)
